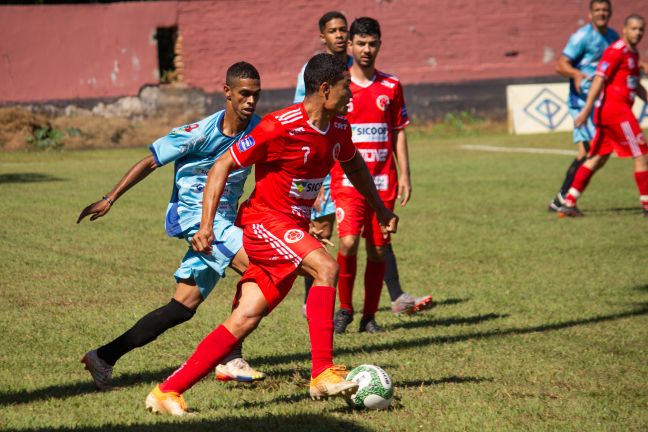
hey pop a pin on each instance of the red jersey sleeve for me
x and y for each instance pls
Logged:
(610, 62)
(397, 109)
(347, 148)
(259, 145)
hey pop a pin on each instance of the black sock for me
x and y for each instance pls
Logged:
(391, 274)
(237, 352)
(146, 330)
(571, 172)
(308, 283)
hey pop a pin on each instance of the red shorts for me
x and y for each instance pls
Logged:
(275, 247)
(625, 138)
(354, 213)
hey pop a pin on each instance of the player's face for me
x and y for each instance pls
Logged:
(633, 31)
(339, 95)
(244, 94)
(600, 15)
(334, 36)
(364, 49)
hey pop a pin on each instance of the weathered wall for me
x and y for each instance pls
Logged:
(102, 51)
(79, 51)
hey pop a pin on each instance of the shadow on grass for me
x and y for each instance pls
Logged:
(446, 322)
(437, 303)
(453, 379)
(28, 178)
(616, 210)
(63, 391)
(266, 423)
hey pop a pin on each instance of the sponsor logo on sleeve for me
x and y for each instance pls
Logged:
(293, 235)
(604, 66)
(404, 112)
(245, 143)
(382, 102)
(369, 132)
(305, 188)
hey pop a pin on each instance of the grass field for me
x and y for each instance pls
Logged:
(541, 323)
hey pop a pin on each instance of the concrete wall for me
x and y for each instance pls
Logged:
(103, 51)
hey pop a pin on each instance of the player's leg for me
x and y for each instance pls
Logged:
(323, 227)
(639, 151)
(373, 281)
(401, 302)
(181, 308)
(641, 178)
(327, 379)
(252, 306)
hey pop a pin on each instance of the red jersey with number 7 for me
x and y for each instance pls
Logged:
(291, 157)
(619, 67)
(376, 111)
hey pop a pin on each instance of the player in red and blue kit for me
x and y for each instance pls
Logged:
(617, 83)
(292, 150)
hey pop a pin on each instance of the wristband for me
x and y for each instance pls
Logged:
(111, 202)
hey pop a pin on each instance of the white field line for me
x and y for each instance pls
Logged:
(516, 149)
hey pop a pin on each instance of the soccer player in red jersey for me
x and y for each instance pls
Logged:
(293, 150)
(378, 119)
(617, 82)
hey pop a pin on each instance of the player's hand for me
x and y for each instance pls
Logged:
(202, 241)
(318, 235)
(388, 221)
(404, 189)
(317, 205)
(96, 209)
(581, 118)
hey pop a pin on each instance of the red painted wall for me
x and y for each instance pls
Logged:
(98, 51)
(79, 51)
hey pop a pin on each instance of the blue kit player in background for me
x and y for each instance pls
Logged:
(193, 148)
(334, 36)
(578, 62)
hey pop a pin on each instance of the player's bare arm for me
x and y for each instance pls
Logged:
(565, 68)
(595, 90)
(402, 158)
(137, 173)
(358, 174)
(216, 180)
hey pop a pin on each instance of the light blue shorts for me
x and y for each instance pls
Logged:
(328, 206)
(585, 132)
(206, 270)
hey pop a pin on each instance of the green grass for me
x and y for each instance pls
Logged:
(542, 323)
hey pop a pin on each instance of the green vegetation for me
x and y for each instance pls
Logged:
(541, 323)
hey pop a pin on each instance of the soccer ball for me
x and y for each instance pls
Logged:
(375, 390)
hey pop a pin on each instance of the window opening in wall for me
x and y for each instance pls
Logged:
(169, 55)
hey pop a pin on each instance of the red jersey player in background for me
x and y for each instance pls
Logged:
(378, 118)
(617, 81)
(293, 150)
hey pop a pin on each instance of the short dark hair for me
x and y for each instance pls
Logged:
(241, 70)
(364, 26)
(633, 17)
(323, 68)
(328, 16)
(609, 3)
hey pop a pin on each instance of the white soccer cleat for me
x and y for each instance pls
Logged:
(238, 370)
(99, 369)
(332, 382)
(408, 304)
(172, 403)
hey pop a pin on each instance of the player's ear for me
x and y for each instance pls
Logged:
(322, 39)
(228, 92)
(325, 89)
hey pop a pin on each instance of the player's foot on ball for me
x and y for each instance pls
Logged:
(332, 382)
(238, 370)
(408, 304)
(99, 369)
(166, 403)
(567, 211)
(370, 326)
(343, 317)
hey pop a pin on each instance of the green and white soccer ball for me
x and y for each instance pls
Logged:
(375, 390)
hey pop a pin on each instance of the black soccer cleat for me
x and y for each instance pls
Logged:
(370, 326)
(343, 317)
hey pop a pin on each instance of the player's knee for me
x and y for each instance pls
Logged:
(376, 253)
(327, 271)
(349, 245)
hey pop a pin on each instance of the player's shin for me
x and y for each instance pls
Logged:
(392, 279)
(373, 278)
(320, 306)
(581, 180)
(346, 278)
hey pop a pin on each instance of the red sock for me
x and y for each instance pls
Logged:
(320, 306)
(641, 178)
(213, 348)
(348, 267)
(581, 180)
(373, 279)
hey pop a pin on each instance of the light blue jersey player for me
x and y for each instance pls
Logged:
(193, 149)
(578, 63)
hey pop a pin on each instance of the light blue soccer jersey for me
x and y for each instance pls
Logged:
(194, 148)
(300, 90)
(584, 49)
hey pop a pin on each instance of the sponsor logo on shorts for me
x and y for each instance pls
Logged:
(245, 143)
(374, 155)
(200, 171)
(339, 214)
(305, 188)
(198, 187)
(382, 102)
(369, 132)
(293, 235)
(336, 151)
